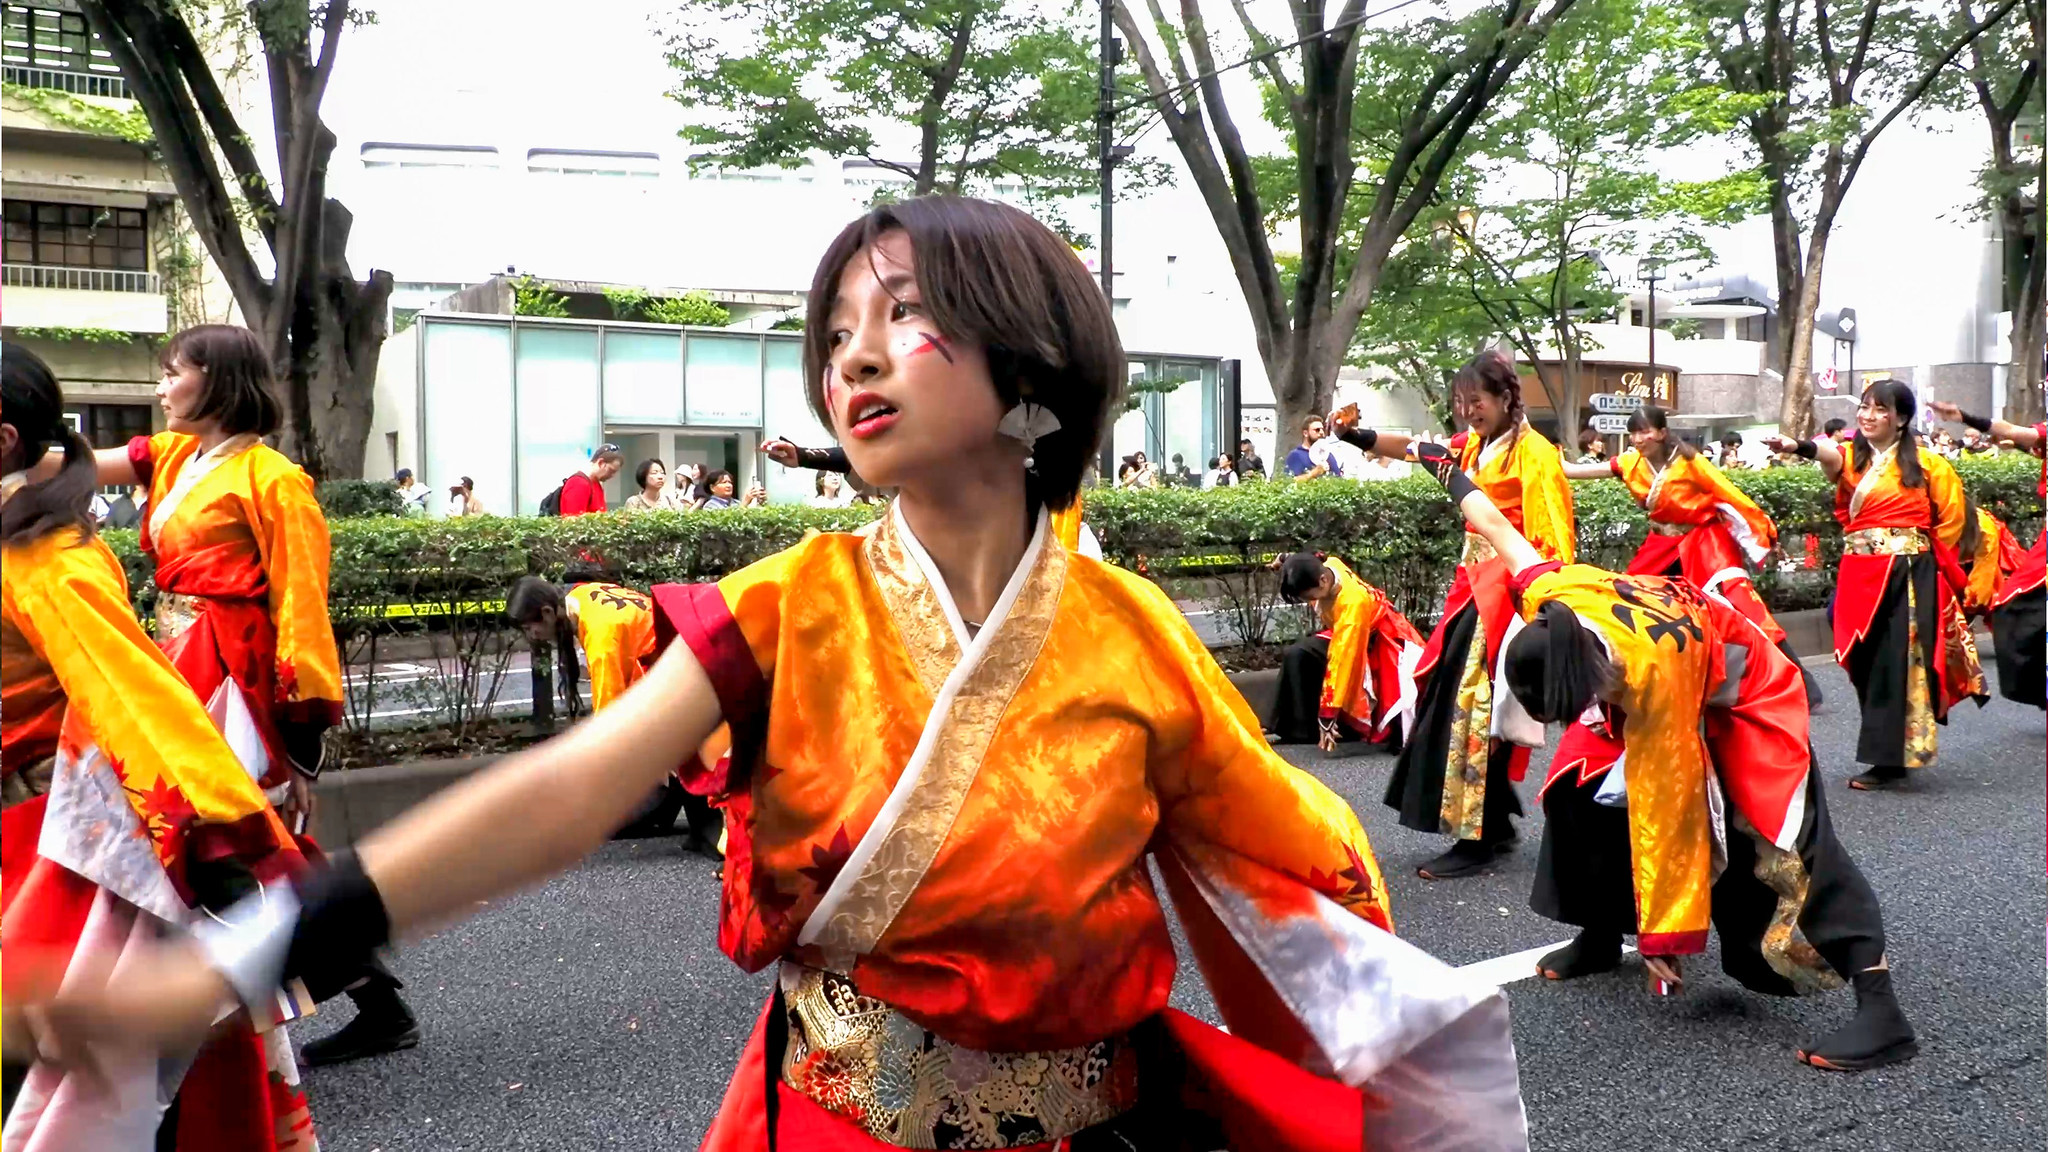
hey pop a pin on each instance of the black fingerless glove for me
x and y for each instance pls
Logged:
(1979, 423)
(342, 923)
(303, 746)
(1807, 450)
(1362, 439)
(1444, 466)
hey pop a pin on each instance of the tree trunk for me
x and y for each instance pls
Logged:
(1298, 395)
(1795, 411)
(2029, 342)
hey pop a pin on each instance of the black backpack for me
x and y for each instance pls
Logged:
(551, 504)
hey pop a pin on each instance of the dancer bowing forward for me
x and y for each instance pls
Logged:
(1898, 623)
(1470, 741)
(1357, 673)
(1702, 527)
(955, 745)
(2016, 608)
(1685, 793)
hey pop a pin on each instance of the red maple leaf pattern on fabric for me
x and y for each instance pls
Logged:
(827, 861)
(1347, 886)
(165, 813)
(287, 681)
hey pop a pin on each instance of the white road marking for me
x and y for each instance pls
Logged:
(1504, 970)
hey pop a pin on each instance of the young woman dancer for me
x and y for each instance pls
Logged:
(241, 561)
(125, 811)
(1687, 746)
(954, 745)
(2016, 610)
(1899, 628)
(1457, 772)
(1358, 671)
(1702, 527)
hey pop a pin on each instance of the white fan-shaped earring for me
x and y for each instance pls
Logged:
(1025, 423)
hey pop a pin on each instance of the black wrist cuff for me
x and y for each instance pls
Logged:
(1979, 423)
(1362, 439)
(1807, 450)
(341, 925)
(1459, 486)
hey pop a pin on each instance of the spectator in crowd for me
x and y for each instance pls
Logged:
(1977, 444)
(1731, 452)
(583, 491)
(1299, 463)
(1248, 461)
(412, 493)
(100, 508)
(1137, 472)
(832, 492)
(1945, 443)
(756, 497)
(1592, 447)
(1836, 429)
(719, 491)
(462, 499)
(654, 494)
(125, 511)
(1181, 475)
(1221, 474)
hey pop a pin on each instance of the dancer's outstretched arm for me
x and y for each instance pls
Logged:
(1997, 429)
(1820, 450)
(1480, 513)
(1588, 471)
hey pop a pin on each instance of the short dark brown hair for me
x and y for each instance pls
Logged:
(1308, 420)
(241, 393)
(990, 274)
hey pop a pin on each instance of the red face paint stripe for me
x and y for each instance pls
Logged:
(933, 344)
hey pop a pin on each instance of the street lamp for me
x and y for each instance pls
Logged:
(1649, 270)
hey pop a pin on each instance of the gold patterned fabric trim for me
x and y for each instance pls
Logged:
(1463, 805)
(1478, 549)
(176, 612)
(858, 1057)
(1922, 742)
(913, 605)
(1660, 528)
(1885, 542)
(908, 848)
(1784, 946)
(31, 781)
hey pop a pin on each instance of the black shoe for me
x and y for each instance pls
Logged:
(1591, 953)
(1465, 858)
(1882, 778)
(383, 1024)
(1879, 1033)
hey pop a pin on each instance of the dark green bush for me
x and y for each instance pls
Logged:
(348, 499)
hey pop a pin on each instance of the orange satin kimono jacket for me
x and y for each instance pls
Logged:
(1669, 642)
(1998, 556)
(960, 820)
(1875, 498)
(2034, 570)
(1363, 682)
(242, 552)
(615, 625)
(1704, 525)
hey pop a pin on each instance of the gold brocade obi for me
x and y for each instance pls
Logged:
(1885, 542)
(858, 1057)
(175, 612)
(1660, 528)
(1478, 549)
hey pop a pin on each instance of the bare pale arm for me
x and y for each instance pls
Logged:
(539, 812)
(2019, 434)
(1826, 452)
(1588, 472)
(1490, 522)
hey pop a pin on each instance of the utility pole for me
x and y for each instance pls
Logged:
(1650, 270)
(1106, 150)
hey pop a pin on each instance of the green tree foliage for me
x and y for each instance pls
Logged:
(1374, 114)
(695, 307)
(1809, 86)
(532, 297)
(981, 90)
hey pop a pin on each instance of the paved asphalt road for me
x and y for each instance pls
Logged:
(597, 1012)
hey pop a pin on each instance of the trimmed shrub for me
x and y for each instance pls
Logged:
(348, 499)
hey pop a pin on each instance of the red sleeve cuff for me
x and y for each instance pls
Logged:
(143, 458)
(1614, 466)
(697, 615)
(1519, 583)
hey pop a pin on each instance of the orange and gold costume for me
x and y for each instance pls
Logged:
(241, 562)
(119, 789)
(2017, 612)
(1899, 626)
(1726, 825)
(1466, 721)
(1702, 527)
(942, 834)
(1364, 683)
(615, 625)
(1998, 556)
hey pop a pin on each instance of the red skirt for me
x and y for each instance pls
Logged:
(1707, 558)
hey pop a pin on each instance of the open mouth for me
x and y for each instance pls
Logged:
(870, 415)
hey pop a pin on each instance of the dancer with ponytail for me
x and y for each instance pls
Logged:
(125, 812)
(2017, 616)
(241, 553)
(957, 751)
(1687, 749)
(1470, 742)
(1357, 672)
(1702, 527)
(1898, 620)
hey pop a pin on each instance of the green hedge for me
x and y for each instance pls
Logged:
(1402, 535)
(347, 499)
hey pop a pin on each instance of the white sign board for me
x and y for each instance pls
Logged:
(1258, 425)
(1609, 423)
(1612, 402)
